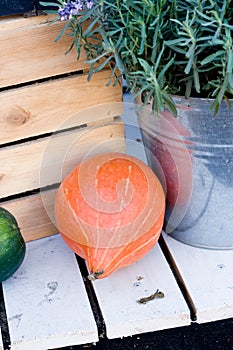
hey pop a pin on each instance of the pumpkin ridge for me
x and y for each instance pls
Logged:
(115, 265)
(120, 263)
(131, 240)
(74, 216)
(157, 228)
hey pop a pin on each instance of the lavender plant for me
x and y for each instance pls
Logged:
(161, 47)
(69, 9)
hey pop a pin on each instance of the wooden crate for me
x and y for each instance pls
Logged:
(51, 117)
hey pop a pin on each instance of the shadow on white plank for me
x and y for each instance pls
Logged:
(46, 301)
(118, 295)
(1, 344)
(207, 275)
(134, 144)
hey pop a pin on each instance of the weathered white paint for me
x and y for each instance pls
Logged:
(1, 343)
(208, 277)
(118, 295)
(46, 301)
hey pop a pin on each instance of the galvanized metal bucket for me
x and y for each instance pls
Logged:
(193, 157)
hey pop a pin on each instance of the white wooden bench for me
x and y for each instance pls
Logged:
(47, 303)
(1, 344)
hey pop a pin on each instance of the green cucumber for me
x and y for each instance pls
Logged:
(12, 245)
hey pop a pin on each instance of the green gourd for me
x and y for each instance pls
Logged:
(12, 245)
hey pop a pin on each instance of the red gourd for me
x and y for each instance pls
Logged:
(110, 211)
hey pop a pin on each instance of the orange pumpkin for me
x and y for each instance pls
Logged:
(110, 211)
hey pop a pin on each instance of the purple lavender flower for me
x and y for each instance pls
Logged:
(78, 6)
(89, 4)
(64, 13)
(73, 7)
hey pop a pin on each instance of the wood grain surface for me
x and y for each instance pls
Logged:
(43, 108)
(29, 53)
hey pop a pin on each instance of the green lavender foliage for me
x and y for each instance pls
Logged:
(160, 47)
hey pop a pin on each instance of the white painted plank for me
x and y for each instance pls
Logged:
(118, 295)
(134, 145)
(46, 301)
(1, 343)
(208, 277)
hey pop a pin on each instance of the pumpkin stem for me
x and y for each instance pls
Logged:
(94, 275)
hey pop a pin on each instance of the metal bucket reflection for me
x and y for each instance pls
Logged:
(202, 215)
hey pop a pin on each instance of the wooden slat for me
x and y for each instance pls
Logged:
(118, 294)
(28, 50)
(46, 302)
(8, 23)
(47, 161)
(207, 276)
(34, 218)
(42, 108)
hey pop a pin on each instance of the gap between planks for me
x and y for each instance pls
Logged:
(178, 278)
(92, 298)
(4, 330)
(207, 277)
